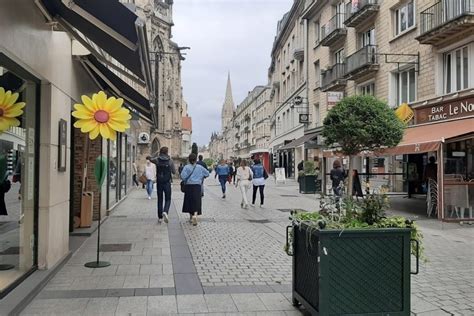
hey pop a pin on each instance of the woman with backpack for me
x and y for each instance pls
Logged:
(192, 176)
(258, 181)
(244, 176)
(164, 171)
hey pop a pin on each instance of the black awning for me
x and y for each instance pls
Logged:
(299, 141)
(107, 23)
(107, 80)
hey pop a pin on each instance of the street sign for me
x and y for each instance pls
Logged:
(333, 97)
(304, 118)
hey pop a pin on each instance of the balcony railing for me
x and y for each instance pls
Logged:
(362, 62)
(357, 12)
(334, 30)
(435, 22)
(333, 77)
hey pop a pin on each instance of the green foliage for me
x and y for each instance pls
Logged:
(100, 170)
(359, 123)
(194, 149)
(209, 162)
(308, 168)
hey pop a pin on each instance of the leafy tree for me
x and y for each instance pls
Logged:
(194, 148)
(361, 123)
(209, 162)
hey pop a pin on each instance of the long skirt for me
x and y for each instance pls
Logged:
(192, 199)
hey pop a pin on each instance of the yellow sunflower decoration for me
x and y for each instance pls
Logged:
(101, 115)
(9, 109)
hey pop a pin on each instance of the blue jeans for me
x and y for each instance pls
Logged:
(149, 187)
(163, 188)
(222, 181)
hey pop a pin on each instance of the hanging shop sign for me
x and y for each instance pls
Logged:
(445, 111)
(404, 113)
(333, 97)
(304, 118)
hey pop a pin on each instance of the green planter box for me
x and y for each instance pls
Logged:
(307, 184)
(352, 272)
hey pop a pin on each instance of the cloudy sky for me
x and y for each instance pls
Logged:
(224, 35)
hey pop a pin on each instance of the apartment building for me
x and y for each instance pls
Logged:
(288, 97)
(418, 53)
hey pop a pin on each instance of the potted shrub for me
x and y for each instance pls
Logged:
(307, 178)
(349, 259)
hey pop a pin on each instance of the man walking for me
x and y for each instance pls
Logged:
(202, 164)
(222, 171)
(164, 170)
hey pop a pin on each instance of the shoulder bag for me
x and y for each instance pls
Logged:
(183, 183)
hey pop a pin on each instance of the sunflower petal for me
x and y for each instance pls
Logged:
(4, 124)
(82, 107)
(10, 101)
(113, 134)
(101, 99)
(117, 106)
(104, 131)
(12, 112)
(80, 123)
(117, 126)
(121, 116)
(2, 95)
(88, 103)
(82, 115)
(13, 122)
(94, 133)
(88, 126)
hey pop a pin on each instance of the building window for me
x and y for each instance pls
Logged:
(367, 38)
(317, 74)
(367, 89)
(316, 32)
(456, 70)
(316, 114)
(406, 86)
(339, 56)
(404, 18)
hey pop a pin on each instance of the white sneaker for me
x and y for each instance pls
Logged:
(165, 216)
(149, 197)
(194, 220)
(159, 221)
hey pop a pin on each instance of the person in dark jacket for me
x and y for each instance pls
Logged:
(202, 164)
(356, 186)
(337, 175)
(164, 171)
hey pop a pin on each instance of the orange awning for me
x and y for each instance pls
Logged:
(426, 138)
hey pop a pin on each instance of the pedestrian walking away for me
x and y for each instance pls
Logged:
(164, 171)
(202, 164)
(232, 172)
(244, 176)
(150, 174)
(337, 176)
(193, 175)
(134, 175)
(222, 171)
(258, 181)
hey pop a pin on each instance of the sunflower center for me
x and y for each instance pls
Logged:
(101, 116)
(1, 112)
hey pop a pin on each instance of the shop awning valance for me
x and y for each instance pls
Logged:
(109, 81)
(426, 138)
(299, 141)
(110, 25)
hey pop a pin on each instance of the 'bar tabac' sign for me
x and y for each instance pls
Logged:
(445, 111)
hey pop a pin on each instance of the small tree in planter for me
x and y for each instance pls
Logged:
(194, 148)
(361, 123)
(307, 178)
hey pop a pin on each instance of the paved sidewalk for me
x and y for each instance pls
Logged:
(231, 263)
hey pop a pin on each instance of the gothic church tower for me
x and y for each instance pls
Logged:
(228, 107)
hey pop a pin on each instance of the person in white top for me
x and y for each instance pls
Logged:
(150, 174)
(244, 178)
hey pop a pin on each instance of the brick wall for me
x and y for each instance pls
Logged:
(95, 149)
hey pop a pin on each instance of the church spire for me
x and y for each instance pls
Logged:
(228, 106)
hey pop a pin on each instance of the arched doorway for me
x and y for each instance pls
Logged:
(155, 146)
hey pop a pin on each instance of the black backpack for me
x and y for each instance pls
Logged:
(163, 171)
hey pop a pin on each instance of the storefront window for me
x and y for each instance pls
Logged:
(113, 173)
(459, 179)
(123, 165)
(18, 185)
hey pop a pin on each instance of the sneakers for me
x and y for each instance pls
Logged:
(261, 205)
(165, 216)
(242, 205)
(194, 220)
(246, 206)
(223, 196)
(149, 197)
(159, 221)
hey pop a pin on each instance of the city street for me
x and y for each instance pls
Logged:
(232, 263)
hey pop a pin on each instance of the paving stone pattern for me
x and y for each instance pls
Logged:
(232, 263)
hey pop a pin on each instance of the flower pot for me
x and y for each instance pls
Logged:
(307, 184)
(351, 272)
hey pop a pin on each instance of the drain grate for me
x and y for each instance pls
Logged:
(115, 247)
(259, 221)
(289, 195)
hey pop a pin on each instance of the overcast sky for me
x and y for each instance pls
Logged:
(224, 35)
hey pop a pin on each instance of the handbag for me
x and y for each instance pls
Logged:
(142, 179)
(183, 183)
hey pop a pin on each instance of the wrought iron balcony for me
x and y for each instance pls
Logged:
(333, 78)
(247, 117)
(362, 63)
(334, 30)
(360, 11)
(445, 21)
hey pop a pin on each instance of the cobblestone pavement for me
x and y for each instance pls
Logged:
(232, 263)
